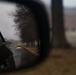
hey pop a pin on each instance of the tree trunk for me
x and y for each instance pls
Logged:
(38, 44)
(58, 36)
(27, 44)
(33, 43)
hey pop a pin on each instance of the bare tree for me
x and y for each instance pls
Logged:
(58, 36)
(25, 23)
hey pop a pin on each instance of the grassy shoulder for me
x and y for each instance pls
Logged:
(32, 49)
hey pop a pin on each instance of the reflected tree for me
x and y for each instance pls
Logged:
(25, 23)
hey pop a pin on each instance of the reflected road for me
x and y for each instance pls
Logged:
(22, 56)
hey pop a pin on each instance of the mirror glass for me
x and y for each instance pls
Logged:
(19, 38)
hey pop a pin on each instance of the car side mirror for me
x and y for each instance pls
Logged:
(26, 34)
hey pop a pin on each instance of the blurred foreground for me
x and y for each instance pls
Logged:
(59, 62)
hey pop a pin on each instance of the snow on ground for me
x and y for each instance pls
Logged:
(71, 37)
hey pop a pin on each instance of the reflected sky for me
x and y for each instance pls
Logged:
(6, 21)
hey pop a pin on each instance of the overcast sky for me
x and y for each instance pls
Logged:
(6, 22)
(69, 3)
(66, 3)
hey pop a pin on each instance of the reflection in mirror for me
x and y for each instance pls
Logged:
(19, 38)
(70, 21)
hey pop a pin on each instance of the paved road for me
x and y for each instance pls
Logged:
(22, 56)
